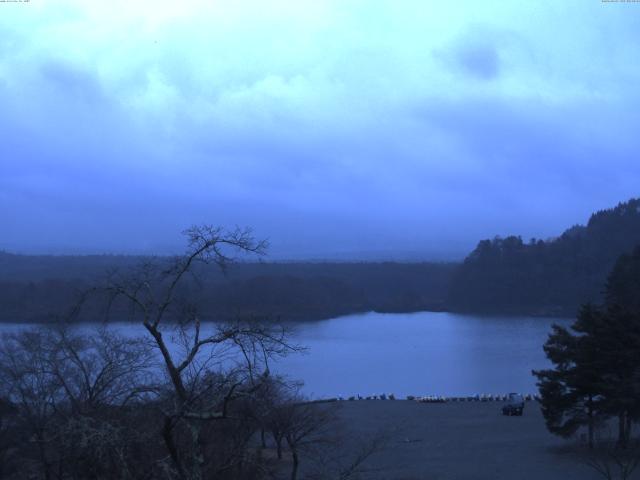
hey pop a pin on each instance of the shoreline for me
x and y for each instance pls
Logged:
(311, 319)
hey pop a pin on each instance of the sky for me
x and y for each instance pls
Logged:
(346, 129)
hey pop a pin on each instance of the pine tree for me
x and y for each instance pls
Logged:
(596, 372)
(620, 343)
(569, 392)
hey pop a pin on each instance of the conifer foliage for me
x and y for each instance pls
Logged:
(596, 374)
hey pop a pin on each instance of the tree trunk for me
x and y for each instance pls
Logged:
(279, 447)
(628, 429)
(46, 469)
(167, 435)
(622, 435)
(296, 462)
(590, 424)
(262, 439)
(197, 451)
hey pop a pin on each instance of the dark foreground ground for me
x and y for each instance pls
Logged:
(462, 441)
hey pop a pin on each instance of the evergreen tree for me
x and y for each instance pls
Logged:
(622, 293)
(551, 277)
(620, 343)
(570, 391)
(596, 372)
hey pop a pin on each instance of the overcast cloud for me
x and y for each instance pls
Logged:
(335, 128)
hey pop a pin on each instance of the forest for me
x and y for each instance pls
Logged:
(43, 288)
(546, 277)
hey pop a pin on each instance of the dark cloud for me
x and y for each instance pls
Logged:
(368, 146)
(71, 81)
(481, 61)
(477, 52)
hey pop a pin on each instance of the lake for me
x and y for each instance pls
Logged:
(425, 353)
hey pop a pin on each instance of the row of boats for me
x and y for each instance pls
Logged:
(485, 397)
(474, 398)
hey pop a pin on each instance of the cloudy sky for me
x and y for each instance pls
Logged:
(346, 128)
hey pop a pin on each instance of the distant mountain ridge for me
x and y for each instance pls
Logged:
(553, 277)
(502, 275)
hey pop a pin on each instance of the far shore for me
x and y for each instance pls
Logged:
(289, 320)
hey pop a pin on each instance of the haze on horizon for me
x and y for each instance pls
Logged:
(337, 129)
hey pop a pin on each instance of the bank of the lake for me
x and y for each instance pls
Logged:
(460, 441)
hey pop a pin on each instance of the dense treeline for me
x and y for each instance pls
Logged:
(503, 275)
(41, 288)
(507, 275)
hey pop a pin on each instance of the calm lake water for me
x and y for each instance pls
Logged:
(423, 353)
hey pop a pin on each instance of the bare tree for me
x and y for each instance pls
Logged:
(160, 295)
(347, 456)
(67, 391)
(357, 465)
(306, 426)
(33, 392)
(186, 400)
(7, 440)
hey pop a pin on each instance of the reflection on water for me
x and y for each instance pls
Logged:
(412, 354)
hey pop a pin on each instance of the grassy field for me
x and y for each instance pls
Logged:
(462, 441)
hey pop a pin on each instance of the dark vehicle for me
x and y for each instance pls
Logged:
(514, 406)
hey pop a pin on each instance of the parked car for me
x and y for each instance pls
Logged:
(514, 405)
